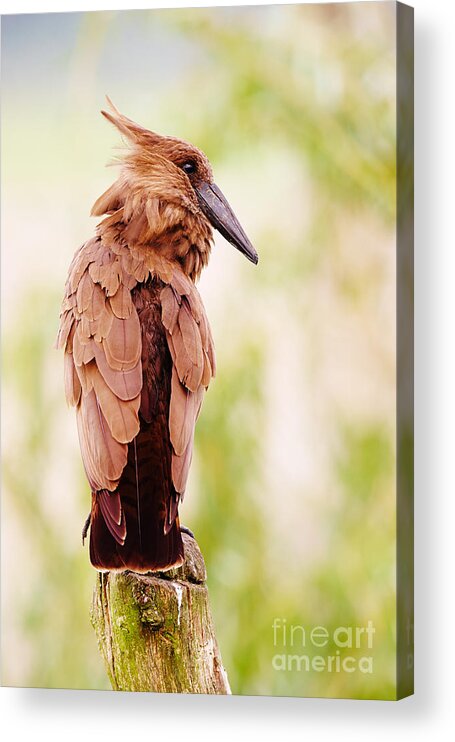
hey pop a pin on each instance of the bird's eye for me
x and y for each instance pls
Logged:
(188, 167)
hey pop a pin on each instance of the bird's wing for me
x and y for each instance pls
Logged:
(100, 332)
(193, 355)
(101, 335)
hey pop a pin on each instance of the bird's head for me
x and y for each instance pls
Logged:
(166, 185)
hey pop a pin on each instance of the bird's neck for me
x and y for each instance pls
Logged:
(171, 231)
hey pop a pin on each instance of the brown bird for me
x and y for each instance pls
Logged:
(139, 353)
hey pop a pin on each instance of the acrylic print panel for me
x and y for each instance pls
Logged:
(300, 489)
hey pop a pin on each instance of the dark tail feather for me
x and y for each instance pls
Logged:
(156, 551)
(111, 509)
(130, 528)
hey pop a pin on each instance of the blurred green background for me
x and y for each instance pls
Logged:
(292, 492)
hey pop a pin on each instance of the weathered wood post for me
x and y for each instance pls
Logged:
(155, 631)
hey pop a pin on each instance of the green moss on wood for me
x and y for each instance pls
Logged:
(155, 631)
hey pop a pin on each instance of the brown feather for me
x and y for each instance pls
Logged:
(182, 417)
(83, 351)
(104, 458)
(66, 323)
(109, 201)
(207, 372)
(181, 467)
(121, 303)
(111, 508)
(170, 306)
(84, 378)
(73, 387)
(79, 265)
(121, 416)
(97, 302)
(104, 323)
(188, 373)
(122, 344)
(125, 384)
(84, 293)
(191, 336)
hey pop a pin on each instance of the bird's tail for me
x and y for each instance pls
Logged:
(137, 526)
(120, 540)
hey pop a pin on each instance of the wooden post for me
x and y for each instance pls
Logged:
(155, 631)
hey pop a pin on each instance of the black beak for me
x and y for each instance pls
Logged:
(221, 216)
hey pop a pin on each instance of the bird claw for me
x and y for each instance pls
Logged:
(86, 527)
(184, 529)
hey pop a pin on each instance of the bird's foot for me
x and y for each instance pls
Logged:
(86, 527)
(184, 529)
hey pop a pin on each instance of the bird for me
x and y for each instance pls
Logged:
(138, 348)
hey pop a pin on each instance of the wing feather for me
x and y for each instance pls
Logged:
(125, 384)
(73, 387)
(123, 344)
(104, 458)
(100, 331)
(111, 508)
(121, 303)
(121, 416)
(170, 306)
(191, 347)
(182, 414)
(66, 323)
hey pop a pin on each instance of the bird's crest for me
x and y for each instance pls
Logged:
(135, 133)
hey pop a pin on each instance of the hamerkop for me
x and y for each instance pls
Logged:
(139, 353)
